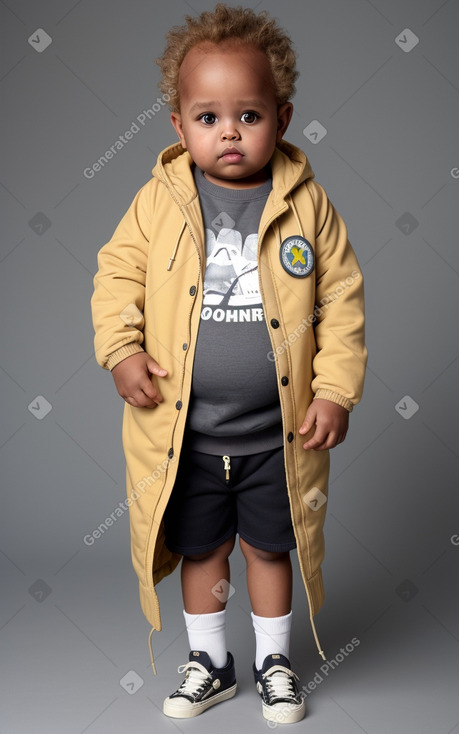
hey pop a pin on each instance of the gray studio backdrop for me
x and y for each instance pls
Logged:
(376, 111)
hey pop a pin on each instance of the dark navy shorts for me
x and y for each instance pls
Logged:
(205, 510)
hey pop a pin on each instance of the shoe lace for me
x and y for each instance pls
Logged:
(196, 677)
(280, 682)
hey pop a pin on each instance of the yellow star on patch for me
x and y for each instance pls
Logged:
(297, 256)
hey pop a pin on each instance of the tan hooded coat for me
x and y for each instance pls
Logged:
(147, 296)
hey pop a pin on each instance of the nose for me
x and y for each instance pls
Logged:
(229, 131)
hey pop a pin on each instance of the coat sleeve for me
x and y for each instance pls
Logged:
(118, 299)
(340, 361)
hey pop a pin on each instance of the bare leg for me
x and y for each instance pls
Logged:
(269, 581)
(199, 575)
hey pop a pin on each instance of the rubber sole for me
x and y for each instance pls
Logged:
(170, 707)
(286, 714)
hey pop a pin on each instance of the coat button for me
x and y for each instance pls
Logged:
(284, 381)
(170, 454)
(275, 324)
(192, 290)
(178, 404)
(289, 438)
(184, 346)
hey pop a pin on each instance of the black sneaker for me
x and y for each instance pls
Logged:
(202, 687)
(276, 684)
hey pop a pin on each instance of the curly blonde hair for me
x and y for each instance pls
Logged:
(224, 23)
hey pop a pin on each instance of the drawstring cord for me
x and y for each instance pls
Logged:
(174, 251)
(276, 226)
(321, 652)
(151, 651)
(296, 215)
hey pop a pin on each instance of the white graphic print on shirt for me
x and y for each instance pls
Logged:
(231, 277)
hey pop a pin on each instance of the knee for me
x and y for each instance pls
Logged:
(251, 553)
(221, 553)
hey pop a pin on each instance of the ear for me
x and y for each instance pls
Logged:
(284, 115)
(176, 120)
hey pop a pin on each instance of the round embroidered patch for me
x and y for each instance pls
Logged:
(297, 256)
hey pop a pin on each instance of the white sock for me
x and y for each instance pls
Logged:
(272, 635)
(207, 632)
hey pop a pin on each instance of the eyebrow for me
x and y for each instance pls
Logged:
(243, 103)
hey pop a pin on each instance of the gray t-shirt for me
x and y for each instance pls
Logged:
(234, 396)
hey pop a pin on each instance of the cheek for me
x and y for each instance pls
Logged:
(266, 133)
(265, 141)
(197, 140)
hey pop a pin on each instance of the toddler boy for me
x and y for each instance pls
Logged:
(229, 307)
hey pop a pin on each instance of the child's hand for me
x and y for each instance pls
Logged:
(331, 420)
(133, 381)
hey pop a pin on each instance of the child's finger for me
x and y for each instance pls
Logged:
(308, 421)
(319, 438)
(149, 390)
(155, 368)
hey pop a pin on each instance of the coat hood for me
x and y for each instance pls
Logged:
(290, 167)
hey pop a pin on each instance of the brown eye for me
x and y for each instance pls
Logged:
(249, 117)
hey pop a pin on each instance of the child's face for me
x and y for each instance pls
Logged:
(229, 118)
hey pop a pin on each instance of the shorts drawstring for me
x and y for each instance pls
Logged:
(227, 467)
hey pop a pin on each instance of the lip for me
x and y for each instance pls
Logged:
(232, 155)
